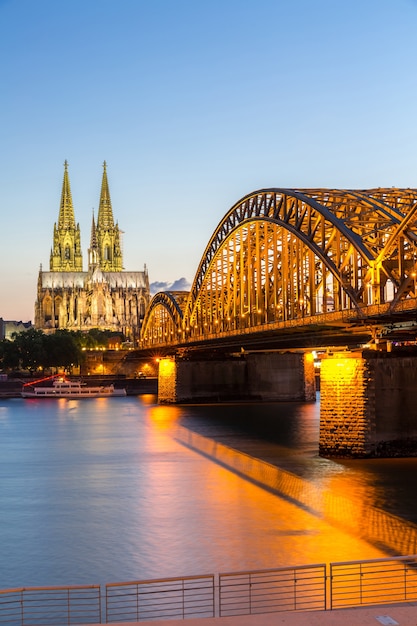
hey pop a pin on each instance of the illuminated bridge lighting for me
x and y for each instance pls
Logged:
(284, 259)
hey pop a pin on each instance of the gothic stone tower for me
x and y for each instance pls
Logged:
(105, 296)
(66, 248)
(108, 234)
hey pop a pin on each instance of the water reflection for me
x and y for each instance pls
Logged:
(350, 505)
(121, 489)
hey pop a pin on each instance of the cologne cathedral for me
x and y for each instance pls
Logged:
(105, 296)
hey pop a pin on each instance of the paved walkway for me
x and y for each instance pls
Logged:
(389, 615)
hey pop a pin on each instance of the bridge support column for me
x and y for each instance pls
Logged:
(368, 405)
(167, 380)
(268, 376)
(282, 376)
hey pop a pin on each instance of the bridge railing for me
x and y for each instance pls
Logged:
(50, 606)
(171, 598)
(343, 316)
(270, 591)
(302, 588)
(199, 334)
(377, 581)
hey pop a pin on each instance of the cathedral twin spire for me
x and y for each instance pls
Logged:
(66, 253)
(105, 249)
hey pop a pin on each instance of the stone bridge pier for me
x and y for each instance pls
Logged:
(368, 405)
(251, 376)
(368, 399)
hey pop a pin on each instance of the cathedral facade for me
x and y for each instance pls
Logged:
(105, 296)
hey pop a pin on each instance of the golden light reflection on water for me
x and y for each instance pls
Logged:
(346, 505)
(141, 496)
(148, 399)
(164, 415)
(272, 517)
(256, 526)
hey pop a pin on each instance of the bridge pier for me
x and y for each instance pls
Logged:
(368, 405)
(252, 376)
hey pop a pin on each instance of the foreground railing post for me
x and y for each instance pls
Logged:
(22, 606)
(68, 607)
(295, 589)
(183, 599)
(137, 602)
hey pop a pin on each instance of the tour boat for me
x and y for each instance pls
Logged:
(64, 388)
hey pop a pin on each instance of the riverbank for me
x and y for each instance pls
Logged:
(12, 388)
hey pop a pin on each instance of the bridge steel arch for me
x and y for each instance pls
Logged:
(163, 321)
(279, 255)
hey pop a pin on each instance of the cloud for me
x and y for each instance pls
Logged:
(181, 284)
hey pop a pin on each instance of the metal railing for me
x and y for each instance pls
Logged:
(170, 598)
(377, 581)
(303, 588)
(269, 591)
(50, 606)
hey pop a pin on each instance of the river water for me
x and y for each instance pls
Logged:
(119, 489)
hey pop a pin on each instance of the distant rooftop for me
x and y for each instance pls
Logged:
(8, 327)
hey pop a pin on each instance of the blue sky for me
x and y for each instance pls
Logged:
(193, 105)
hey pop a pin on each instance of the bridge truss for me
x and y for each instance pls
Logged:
(285, 257)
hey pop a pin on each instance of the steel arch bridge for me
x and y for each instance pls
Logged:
(282, 258)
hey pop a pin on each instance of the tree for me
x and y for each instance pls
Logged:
(9, 356)
(95, 338)
(61, 350)
(34, 349)
(30, 348)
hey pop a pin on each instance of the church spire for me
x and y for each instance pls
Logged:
(105, 212)
(66, 217)
(107, 232)
(93, 237)
(93, 251)
(66, 253)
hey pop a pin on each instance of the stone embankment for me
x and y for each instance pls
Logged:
(134, 386)
(10, 388)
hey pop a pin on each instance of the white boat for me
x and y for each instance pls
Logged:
(64, 388)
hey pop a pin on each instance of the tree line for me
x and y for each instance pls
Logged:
(33, 350)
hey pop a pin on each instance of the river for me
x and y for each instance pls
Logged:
(118, 489)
